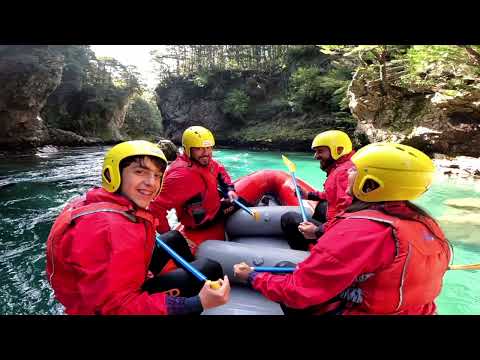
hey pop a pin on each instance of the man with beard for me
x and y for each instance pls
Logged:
(191, 185)
(383, 255)
(333, 149)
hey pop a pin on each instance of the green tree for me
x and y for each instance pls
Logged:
(92, 92)
(379, 56)
(442, 65)
(236, 103)
(188, 60)
(142, 118)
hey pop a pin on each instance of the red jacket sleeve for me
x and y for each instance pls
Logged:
(225, 176)
(110, 278)
(344, 200)
(320, 194)
(349, 249)
(178, 186)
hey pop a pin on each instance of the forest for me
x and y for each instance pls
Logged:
(241, 91)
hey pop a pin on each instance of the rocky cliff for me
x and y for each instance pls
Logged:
(48, 97)
(63, 95)
(28, 74)
(270, 121)
(436, 121)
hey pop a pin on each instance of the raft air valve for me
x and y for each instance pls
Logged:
(258, 261)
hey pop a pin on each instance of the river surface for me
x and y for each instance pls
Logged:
(35, 186)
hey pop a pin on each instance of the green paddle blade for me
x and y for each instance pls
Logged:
(291, 166)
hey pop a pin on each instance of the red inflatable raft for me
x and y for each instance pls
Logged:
(253, 187)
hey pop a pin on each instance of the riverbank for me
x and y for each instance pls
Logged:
(464, 167)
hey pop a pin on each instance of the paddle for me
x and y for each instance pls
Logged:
(253, 213)
(272, 269)
(185, 264)
(291, 269)
(464, 267)
(292, 168)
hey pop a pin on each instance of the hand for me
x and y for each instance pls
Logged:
(232, 195)
(307, 229)
(302, 193)
(242, 270)
(215, 297)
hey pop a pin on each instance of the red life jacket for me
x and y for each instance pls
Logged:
(415, 276)
(75, 209)
(209, 202)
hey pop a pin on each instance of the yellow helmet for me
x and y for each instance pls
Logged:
(333, 139)
(115, 155)
(402, 172)
(197, 136)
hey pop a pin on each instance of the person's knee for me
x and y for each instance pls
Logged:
(210, 268)
(290, 220)
(172, 237)
(320, 213)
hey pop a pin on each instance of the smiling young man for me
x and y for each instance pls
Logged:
(191, 185)
(99, 251)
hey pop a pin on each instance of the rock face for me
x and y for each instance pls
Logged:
(459, 167)
(47, 98)
(28, 74)
(203, 112)
(68, 138)
(270, 122)
(445, 121)
(185, 103)
(85, 110)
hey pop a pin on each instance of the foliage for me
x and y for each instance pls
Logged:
(305, 88)
(301, 52)
(143, 117)
(436, 61)
(308, 87)
(186, 60)
(92, 91)
(369, 54)
(201, 78)
(236, 103)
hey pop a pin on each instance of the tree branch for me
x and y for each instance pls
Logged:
(472, 54)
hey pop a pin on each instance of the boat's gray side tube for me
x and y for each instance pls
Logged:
(242, 224)
(229, 253)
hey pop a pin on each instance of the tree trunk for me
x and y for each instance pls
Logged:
(473, 55)
(382, 59)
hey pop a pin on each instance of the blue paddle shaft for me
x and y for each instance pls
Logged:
(178, 258)
(243, 207)
(273, 269)
(238, 203)
(302, 209)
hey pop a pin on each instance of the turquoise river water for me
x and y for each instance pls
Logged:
(34, 187)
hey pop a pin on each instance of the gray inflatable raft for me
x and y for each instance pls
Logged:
(258, 243)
